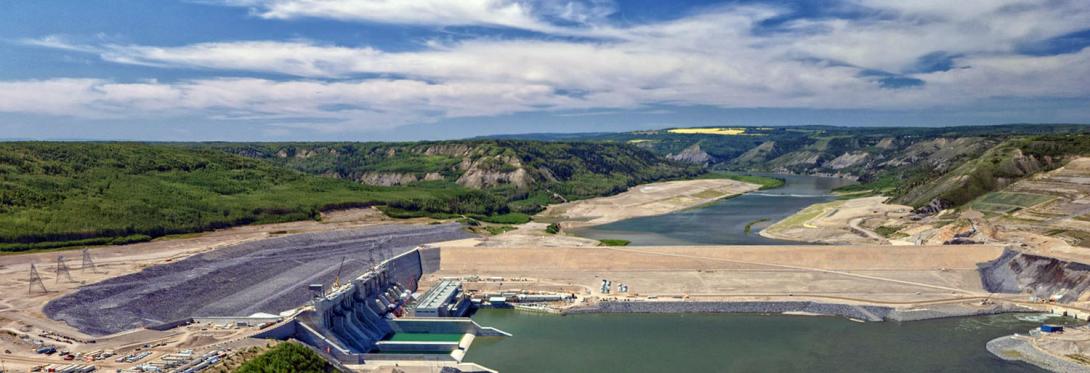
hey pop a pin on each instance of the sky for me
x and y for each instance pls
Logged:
(251, 70)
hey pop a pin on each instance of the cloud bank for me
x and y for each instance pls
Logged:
(861, 54)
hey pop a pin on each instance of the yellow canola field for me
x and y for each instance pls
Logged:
(709, 131)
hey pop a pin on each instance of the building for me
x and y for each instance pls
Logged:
(444, 300)
(1049, 328)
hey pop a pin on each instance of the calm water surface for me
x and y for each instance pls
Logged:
(738, 342)
(723, 222)
(742, 343)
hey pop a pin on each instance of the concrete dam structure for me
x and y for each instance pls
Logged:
(357, 321)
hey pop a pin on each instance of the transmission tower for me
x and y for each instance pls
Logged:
(35, 278)
(63, 269)
(87, 262)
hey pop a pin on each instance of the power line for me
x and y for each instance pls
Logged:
(63, 269)
(87, 262)
(35, 278)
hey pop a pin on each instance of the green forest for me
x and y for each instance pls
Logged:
(287, 357)
(59, 194)
(64, 194)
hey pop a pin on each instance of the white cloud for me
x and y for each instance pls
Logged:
(528, 15)
(372, 103)
(715, 57)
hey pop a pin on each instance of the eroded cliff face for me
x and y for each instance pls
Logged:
(1044, 277)
(692, 154)
(487, 172)
(396, 178)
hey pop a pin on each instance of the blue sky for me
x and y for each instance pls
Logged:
(433, 69)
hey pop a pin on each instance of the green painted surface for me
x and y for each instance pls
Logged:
(426, 337)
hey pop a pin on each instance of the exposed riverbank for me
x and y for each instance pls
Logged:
(644, 200)
(1020, 348)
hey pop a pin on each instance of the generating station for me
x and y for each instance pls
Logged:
(368, 319)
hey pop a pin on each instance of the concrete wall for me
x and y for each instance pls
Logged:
(237, 320)
(429, 259)
(444, 325)
(353, 319)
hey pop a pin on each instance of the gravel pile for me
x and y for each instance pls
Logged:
(1015, 349)
(262, 276)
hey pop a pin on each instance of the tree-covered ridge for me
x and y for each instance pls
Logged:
(919, 166)
(63, 194)
(527, 175)
(57, 194)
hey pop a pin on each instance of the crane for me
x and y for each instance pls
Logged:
(337, 280)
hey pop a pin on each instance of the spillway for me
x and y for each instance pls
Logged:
(354, 322)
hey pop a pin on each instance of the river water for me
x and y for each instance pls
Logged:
(723, 222)
(742, 343)
(739, 342)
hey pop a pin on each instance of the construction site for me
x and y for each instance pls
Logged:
(126, 308)
(370, 297)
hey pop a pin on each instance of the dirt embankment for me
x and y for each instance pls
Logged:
(854, 221)
(1044, 277)
(644, 200)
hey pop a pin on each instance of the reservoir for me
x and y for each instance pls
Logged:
(723, 222)
(743, 343)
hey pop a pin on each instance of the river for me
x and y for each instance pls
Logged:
(738, 342)
(723, 222)
(742, 343)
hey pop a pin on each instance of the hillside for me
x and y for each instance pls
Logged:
(63, 194)
(996, 168)
(527, 175)
(57, 194)
(918, 166)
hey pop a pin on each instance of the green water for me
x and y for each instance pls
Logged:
(723, 222)
(742, 343)
(426, 337)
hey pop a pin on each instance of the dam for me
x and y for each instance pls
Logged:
(367, 318)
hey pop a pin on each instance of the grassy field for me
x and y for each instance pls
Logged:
(614, 242)
(802, 217)
(1007, 202)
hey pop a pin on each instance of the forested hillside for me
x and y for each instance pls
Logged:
(923, 167)
(527, 175)
(62, 194)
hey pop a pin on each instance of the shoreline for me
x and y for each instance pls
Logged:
(1018, 347)
(863, 312)
(643, 200)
